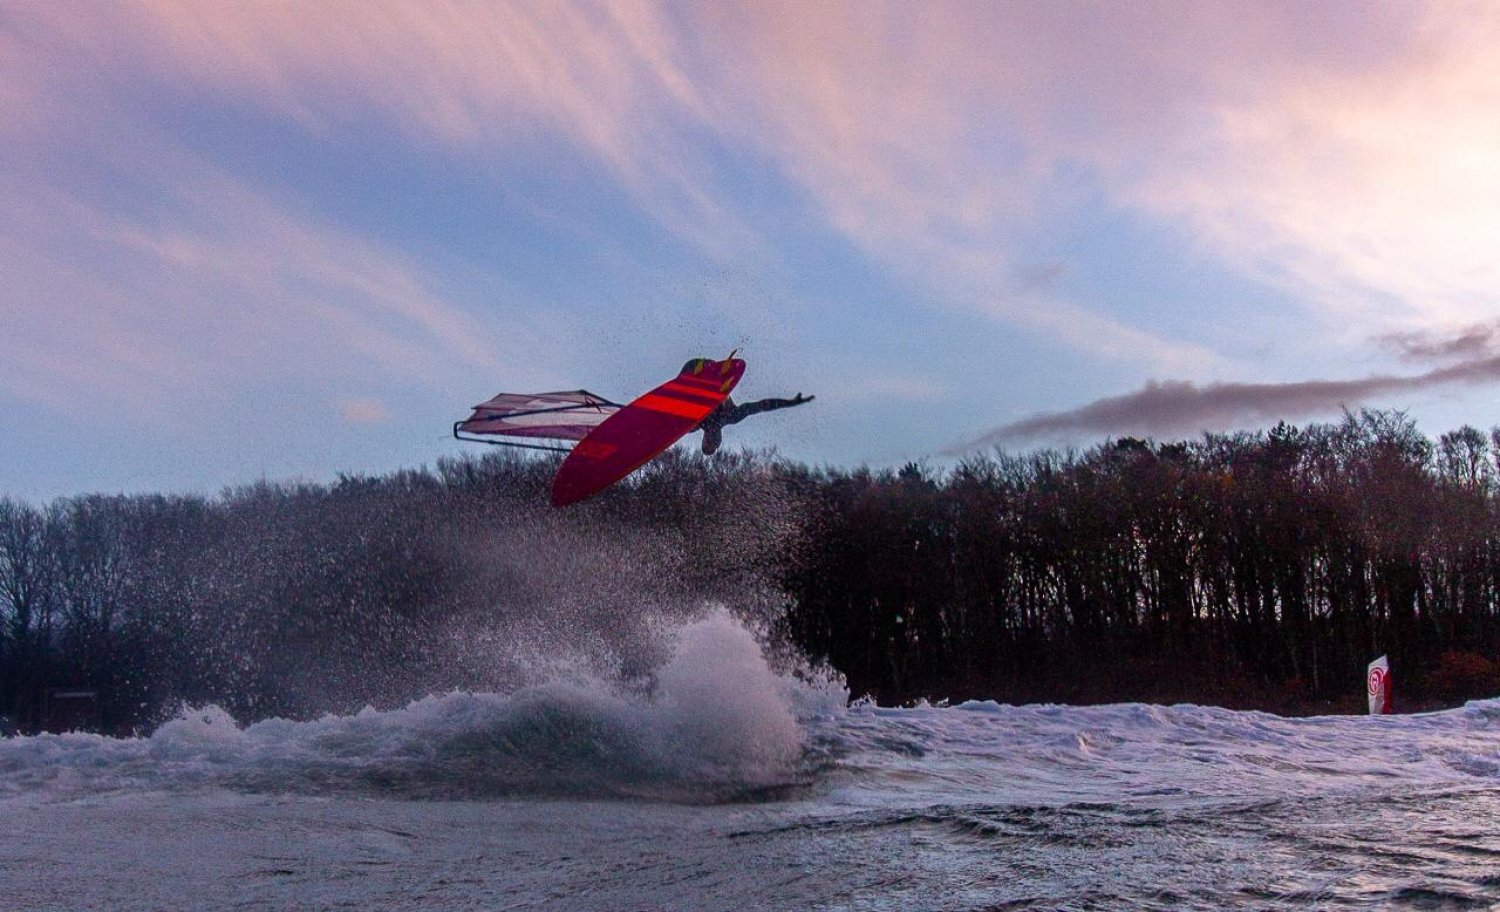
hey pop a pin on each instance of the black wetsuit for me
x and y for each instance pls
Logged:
(730, 413)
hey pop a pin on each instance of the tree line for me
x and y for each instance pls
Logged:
(1252, 570)
(1257, 569)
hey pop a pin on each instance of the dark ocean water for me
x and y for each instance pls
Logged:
(728, 786)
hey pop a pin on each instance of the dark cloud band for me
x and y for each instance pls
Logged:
(1468, 344)
(1177, 408)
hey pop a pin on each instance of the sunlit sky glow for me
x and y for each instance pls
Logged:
(287, 240)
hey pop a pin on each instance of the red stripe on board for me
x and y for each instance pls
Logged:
(704, 382)
(694, 391)
(670, 406)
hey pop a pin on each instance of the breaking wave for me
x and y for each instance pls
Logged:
(716, 724)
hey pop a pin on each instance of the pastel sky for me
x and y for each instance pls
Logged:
(292, 239)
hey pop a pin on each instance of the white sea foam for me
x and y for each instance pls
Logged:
(718, 723)
(1053, 754)
(972, 806)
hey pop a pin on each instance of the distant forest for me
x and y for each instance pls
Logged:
(1250, 570)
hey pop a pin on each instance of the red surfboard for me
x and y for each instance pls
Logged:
(635, 434)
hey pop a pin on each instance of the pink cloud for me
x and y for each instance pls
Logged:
(887, 115)
(1344, 151)
(211, 288)
(480, 78)
(1364, 182)
(939, 136)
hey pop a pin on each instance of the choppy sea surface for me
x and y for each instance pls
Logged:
(724, 785)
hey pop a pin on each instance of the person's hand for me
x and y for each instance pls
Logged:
(799, 399)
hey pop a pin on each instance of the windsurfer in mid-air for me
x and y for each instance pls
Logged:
(605, 441)
(730, 412)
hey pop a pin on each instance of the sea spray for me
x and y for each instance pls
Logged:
(728, 709)
(717, 723)
(587, 593)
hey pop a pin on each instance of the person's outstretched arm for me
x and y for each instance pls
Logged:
(745, 410)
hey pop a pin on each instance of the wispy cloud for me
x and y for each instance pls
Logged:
(211, 287)
(932, 138)
(1365, 182)
(921, 148)
(1300, 146)
(472, 79)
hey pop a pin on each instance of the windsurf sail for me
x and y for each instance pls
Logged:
(565, 415)
(1378, 686)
